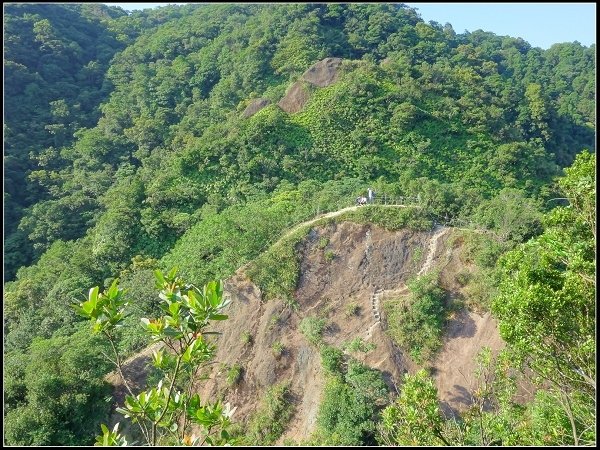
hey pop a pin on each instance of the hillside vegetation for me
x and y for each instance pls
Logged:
(160, 139)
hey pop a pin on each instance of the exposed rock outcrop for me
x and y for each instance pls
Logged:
(295, 98)
(323, 73)
(255, 106)
(320, 74)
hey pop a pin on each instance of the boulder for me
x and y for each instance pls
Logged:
(254, 107)
(295, 98)
(323, 73)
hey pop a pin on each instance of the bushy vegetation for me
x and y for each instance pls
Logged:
(277, 270)
(278, 349)
(57, 393)
(332, 359)
(352, 309)
(234, 374)
(312, 328)
(273, 414)
(126, 150)
(351, 400)
(247, 338)
(359, 345)
(416, 323)
(329, 255)
(545, 307)
(390, 218)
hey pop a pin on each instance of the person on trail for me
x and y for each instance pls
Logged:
(371, 195)
(360, 201)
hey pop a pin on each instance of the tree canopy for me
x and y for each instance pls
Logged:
(127, 149)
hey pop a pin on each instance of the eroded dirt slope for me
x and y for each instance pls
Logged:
(369, 264)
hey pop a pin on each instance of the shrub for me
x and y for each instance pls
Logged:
(312, 328)
(323, 243)
(359, 345)
(352, 309)
(246, 338)
(329, 255)
(349, 406)
(278, 349)
(482, 288)
(273, 321)
(389, 218)
(417, 255)
(276, 271)
(267, 425)
(462, 278)
(234, 374)
(332, 359)
(416, 325)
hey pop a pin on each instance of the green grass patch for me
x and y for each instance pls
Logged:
(358, 344)
(323, 241)
(234, 374)
(268, 423)
(246, 338)
(278, 349)
(352, 309)
(329, 255)
(276, 271)
(312, 329)
(390, 218)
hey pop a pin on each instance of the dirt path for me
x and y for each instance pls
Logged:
(375, 305)
(339, 212)
(438, 231)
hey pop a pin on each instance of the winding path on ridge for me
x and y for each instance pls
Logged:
(339, 212)
(328, 215)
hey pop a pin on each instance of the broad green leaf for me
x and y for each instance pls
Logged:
(93, 295)
(160, 277)
(174, 308)
(114, 288)
(219, 316)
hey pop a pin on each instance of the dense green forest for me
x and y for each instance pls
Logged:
(126, 150)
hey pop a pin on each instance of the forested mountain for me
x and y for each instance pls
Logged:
(135, 141)
(54, 65)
